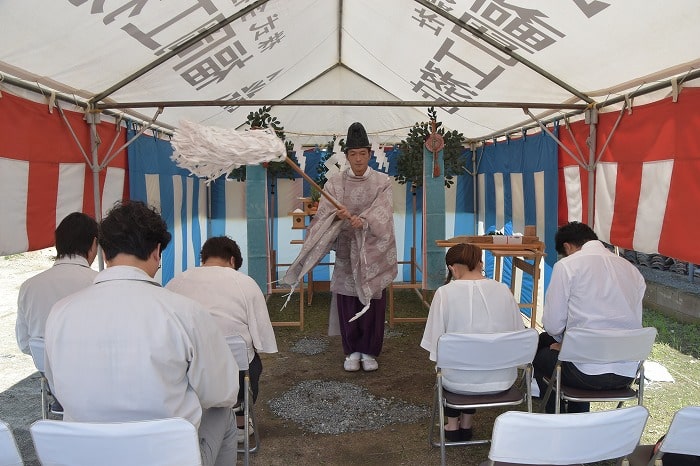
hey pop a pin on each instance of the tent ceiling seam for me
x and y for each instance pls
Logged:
(340, 32)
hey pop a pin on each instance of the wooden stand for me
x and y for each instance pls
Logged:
(312, 285)
(293, 323)
(531, 248)
(298, 223)
(417, 287)
(421, 295)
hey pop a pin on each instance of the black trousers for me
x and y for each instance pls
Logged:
(452, 412)
(254, 369)
(544, 363)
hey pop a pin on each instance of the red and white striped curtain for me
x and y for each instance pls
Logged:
(44, 175)
(647, 181)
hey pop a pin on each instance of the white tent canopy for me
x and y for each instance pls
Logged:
(501, 54)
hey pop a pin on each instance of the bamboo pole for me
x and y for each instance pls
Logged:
(310, 180)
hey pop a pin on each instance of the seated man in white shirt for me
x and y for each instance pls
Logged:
(233, 299)
(76, 249)
(126, 349)
(590, 287)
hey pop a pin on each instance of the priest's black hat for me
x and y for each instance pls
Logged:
(357, 138)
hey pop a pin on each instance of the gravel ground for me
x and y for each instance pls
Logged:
(310, 346)
(670, 279)
(332, 407)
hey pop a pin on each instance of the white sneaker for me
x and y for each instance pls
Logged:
(352, 362)
(369, 364)
(241, 432)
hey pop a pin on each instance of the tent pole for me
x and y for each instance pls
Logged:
(337, 103)
(111, 155)
(592, 119)
(475, 206)
(549, 133)
(92, 119)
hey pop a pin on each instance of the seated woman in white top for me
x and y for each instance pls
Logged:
(468, 302)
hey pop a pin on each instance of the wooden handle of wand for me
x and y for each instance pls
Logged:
(310, 180)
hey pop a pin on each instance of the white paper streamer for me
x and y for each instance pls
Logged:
(299, 152)
(210, 152)
(380, 155)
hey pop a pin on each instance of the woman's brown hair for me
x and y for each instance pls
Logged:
(462, 253)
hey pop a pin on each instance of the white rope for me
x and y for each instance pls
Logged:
(288, 295)
(360, 314)
(210, 152)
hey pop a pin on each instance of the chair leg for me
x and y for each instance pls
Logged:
(253, 423)
(547, 394)
(44, 398)
(528, 381)
(441, 417)
(557, 401)
(554, 382)
(246, 418)
(431, 431)
(249, 421)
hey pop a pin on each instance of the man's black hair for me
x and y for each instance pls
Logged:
(575, 233)
(133, 228)
(224, 248)
(75, 235)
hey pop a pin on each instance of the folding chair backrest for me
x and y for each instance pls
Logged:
(162, 442)
(606, 345)
(238, 348)
(36, 347)
(486, 351)
(9, 454)
(534, 438)
(683, 433)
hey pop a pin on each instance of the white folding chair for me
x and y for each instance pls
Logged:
(9, 453)
(36, 347)
(480, 353)
(162, 442)
(240, 353)
(604, 346)
(565, 439)
(682, 436)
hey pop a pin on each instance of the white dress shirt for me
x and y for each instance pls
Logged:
(125, 349)
(38, 294)
(472, 306)
(594, 288)
(234, 300)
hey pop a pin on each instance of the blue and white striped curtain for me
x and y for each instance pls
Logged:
(180, 197)
(517, 186)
